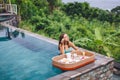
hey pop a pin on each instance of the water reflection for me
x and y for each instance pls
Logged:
(14, 34)
(1, 27)
(4, 39)
(8, 34)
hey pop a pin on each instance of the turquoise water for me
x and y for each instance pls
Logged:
(26, 58)
(116, 77)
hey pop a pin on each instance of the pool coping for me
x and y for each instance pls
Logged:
(50, 40)
(101, 60)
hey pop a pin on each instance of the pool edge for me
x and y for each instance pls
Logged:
(32, 34)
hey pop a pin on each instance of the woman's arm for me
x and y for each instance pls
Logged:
(74, 47)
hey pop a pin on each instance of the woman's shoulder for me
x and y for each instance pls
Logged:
(71, 43)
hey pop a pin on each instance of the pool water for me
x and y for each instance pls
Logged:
(26, 57)
(116, 77)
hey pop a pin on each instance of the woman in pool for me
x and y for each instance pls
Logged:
(65, 45)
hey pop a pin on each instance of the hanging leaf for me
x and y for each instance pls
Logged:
(108, 52)
(98, 35)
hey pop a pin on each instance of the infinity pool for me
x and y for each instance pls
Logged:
(26, 58)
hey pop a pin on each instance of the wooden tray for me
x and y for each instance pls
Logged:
(73, 66)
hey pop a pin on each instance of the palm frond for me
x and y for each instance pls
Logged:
(98, 35)
(108, 52)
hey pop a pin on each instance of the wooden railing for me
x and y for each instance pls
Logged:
(12, 8)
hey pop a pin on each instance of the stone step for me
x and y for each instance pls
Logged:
(117, 65)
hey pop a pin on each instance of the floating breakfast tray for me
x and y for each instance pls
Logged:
(63, 66)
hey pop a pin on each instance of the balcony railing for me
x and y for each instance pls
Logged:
(12, 8)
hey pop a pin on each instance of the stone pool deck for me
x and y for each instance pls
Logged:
(101, 69)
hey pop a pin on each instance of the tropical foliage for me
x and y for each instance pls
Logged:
(84, 10)
(90, 28)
